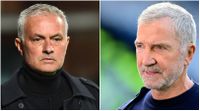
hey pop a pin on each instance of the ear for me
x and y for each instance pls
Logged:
(190, 53)
(18, 44)
(67, 41)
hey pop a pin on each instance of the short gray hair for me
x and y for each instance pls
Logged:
(182, 21)
(39, 9)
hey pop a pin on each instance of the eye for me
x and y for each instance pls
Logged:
(160, 47)
(36, 39)
(138, 46)
(57, 38)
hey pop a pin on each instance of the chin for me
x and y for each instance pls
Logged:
(151, 85)
(156, 86)
(48, 70)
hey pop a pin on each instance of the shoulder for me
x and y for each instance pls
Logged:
(88, 83)
(83, 85)
(81, 80)
(124, 106)
(196, 86)
(5, 87)
(10, 91)
(84, 88)
(91, 86)
(194, 92)
(128, 105)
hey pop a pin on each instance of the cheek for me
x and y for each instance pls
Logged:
(139, 59)
(177, 64)
(32, 53)
(170, 65)
(61, 52)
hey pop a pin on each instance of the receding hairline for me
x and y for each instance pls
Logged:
(40, 9)
(181, 19)
(166, 19)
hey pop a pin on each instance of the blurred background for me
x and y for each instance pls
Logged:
(120, 80)
(82, 58)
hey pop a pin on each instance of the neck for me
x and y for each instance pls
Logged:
(178, 87)
(27, 67)
(35, 82)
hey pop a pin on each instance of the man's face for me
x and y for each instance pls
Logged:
(159, 59)
(45, 43)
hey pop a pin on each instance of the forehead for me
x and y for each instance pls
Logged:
(42, 17)
(45, 23)
(156, 31)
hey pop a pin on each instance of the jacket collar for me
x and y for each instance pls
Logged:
(11, 90)
(130, 103)
(78, 88)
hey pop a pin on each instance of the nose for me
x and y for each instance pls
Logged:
(148, 58)
(48, 47)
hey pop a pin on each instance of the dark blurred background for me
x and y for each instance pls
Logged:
(120, 80)
(82, 58)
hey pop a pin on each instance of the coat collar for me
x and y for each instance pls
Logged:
(130, 103)
(78, 88)
(11, 90)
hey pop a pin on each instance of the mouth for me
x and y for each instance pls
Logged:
(151, 73)
(48, 60)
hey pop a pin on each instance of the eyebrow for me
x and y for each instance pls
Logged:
(154, 44)
(137, 42)
(56, 35)
(162, 44)
(39, 35)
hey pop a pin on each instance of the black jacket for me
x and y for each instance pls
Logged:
(85, 94)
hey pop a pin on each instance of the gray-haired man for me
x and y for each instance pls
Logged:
(165, 46)
(41, 82)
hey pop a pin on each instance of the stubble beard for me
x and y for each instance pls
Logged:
(165, 80)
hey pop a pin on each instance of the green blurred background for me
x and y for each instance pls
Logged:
(119, 73)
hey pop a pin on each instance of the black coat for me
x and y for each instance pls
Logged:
(85, 94)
